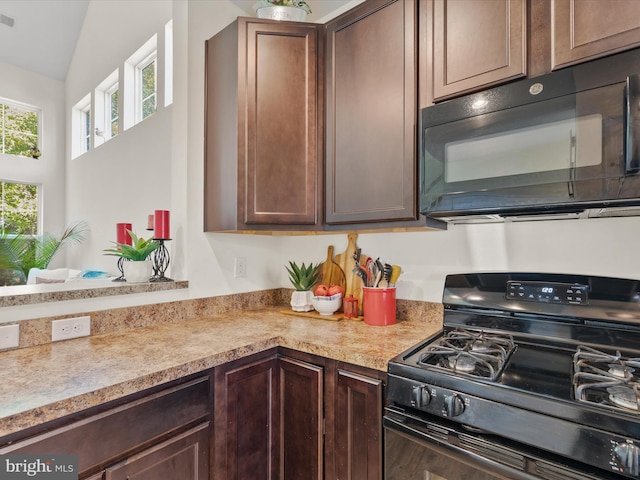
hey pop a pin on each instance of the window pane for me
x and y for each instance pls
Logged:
(87, 130)
(18, 208)
(114, 113)
(148, 89)
(18, 131)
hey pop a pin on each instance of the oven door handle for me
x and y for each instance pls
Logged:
(632, 123)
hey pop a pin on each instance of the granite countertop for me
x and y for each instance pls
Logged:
(46, 382)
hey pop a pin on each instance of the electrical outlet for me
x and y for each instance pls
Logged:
(68, 328)
(240, 267)
(9, 336)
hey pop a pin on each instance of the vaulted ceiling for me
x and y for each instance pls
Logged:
(45, 32)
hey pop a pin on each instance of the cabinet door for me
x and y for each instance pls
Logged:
(371, 113)
(183, 457)
(301, 420)
(246, 420)
(358, 419)
(587, 29)
(476, 43)
(278, 130)
(108, 436)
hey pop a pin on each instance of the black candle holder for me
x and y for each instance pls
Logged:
(160, 262)
(121, 269)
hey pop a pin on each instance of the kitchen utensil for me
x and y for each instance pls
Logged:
(395, 273)
(387, 272)
(347, 262)
(362, 273)
(330, 271)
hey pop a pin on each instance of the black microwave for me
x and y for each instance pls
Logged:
(562, 145)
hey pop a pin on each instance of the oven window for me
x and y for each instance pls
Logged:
(560, 145)
(411, 459)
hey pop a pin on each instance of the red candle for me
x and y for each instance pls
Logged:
(123, 236)
(150, 222)
(161, 225)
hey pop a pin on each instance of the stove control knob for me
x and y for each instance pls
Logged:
(421, 397)
(453, 405)
(628, 456)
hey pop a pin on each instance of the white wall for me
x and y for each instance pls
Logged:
(47, 93)
(596, 246)
(593, 246)
(128, 177)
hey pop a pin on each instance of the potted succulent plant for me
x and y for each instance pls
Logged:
(138, 267)
(294, 10)
(303, 279)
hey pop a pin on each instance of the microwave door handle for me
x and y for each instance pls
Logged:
(572, 165)
(632, 127)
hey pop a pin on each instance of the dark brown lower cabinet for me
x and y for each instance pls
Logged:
(287, 415)
(163, 433)
(246, 442)
(359, 403)
(301, 419)
(180, 458)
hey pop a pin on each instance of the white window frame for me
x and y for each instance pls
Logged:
(81, 137)
(102, 118)
(85, 132)
(109, 118)
(131, 102)
(168, 64)
(29, 108)
(140, 100)
(39, 204)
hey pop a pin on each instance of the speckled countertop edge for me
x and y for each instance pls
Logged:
(44, 293)
(50, 381)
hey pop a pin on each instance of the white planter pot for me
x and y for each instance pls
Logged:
(137, 272)
(281, 12)
(301, 301)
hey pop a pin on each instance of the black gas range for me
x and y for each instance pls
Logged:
(533, 376)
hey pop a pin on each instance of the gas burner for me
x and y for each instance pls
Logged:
(470, 352)
(623, 397)
(606, 379)
(621, 371)
(462, 363)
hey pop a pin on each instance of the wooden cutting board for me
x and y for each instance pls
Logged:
(346, 261)
(331, 273)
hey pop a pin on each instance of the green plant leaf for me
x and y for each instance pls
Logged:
(140, 249)
(23, 251)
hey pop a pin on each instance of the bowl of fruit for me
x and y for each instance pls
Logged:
(327, 299)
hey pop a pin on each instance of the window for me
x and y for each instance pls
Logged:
(19, 126)
(81, 127)
(106, 109)
(168, 63)
(86, 128)
(146, 86)
(18, 208)
(114, 110)
(140, 84)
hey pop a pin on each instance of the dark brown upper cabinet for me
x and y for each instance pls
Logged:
(371, 111)
(471, 45)
(586, 29)
(263, 138)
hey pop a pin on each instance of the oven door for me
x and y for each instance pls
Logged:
(417, 448)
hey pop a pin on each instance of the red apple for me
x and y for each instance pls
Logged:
(335, 289)
(322, 290)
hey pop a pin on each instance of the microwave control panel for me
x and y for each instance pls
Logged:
(548, 292)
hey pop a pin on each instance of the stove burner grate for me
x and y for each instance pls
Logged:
(462, 351)
(606, 379)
